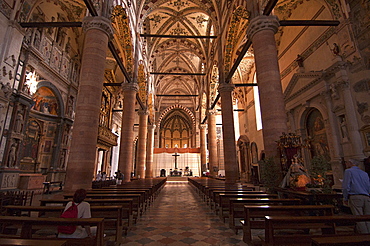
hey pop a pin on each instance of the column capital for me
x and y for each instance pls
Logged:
(152, 127)
(143, 112)
(344, 84)
(98, 22)
(203, 126)
(261, 23)
(226, 87)
(212, 112)
(130, 87)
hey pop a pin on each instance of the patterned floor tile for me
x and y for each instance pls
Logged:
(179, 217)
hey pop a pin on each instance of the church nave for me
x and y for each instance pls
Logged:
(179, 217)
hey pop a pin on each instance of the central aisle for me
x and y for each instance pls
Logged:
(179, 217)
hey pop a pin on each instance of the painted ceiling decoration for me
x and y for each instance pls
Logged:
(236, 32)
(123, 36)
(143, 85)
(178, 55)
(214, 84)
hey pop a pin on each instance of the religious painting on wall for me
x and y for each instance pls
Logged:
(317, 134)
(31, 142)
(45, 101)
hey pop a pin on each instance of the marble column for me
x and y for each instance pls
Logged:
(261, 31)
(143, 129)
(334, 143)
(228, 133)
(212, 142)
(127, 130)
(150, 152)
(350, 113)
(80, 169)
(203, 148)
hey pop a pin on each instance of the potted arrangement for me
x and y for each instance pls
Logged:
(270, 174)
(318, 173)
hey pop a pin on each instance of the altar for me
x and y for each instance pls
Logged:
(166, 160)
(175, 173)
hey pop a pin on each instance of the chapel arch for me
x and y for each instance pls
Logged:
(176, 127)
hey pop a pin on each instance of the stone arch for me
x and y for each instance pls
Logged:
(58, 97)
(176, 127)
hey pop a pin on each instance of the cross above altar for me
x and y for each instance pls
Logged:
(176, 155)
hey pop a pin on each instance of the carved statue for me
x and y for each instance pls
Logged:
(299, 60)
(336, 49)
(7, 89)
(62, 159)
(12, 155)
(19, 121)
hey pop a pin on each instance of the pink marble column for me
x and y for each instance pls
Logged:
(261, 31)
(143, 129)
(228, 133)
(80, 168)
(212, 142)
(203, 148)
(150, 152)
(127, 130)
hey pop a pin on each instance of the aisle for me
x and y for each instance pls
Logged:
(178, 217)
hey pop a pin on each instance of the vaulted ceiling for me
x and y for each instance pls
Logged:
(179, 64)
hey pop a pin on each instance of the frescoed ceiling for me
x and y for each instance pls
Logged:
(183, 58)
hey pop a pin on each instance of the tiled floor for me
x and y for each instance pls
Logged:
(179, 217)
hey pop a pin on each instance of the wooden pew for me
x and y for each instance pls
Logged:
(31, 242)
(127, 205)
(224, 201)
(28, 223)
(254, 215)
(236, 207)
(214, 195)
(327, 224)
(137, 200)
(113, 215)
(342, 240)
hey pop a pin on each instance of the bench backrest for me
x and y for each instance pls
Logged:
(327, 224)
(254, 215)
(27, 224)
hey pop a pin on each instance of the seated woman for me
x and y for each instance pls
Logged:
(83, 212)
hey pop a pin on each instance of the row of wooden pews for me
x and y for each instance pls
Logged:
(285, 221)
(112, 208)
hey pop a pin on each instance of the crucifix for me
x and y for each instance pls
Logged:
(176, 155)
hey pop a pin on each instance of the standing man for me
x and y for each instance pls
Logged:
(356, 189)
(119, 177)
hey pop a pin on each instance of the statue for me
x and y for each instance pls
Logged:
(296, 176)
(7, 90)
(19, 121)
(12, 155)
(335, 49)
(62, 159)
(299, 60)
